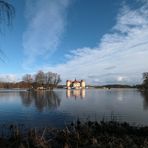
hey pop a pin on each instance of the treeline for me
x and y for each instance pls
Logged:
(40, 80)
(115, 86)
(9, 85)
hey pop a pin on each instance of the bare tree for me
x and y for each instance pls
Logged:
(48, 77)
(7, 12)
(52, 79)
(57, 79)
(28, 79)
(40, 77)
(145, 75)
(47, 80)
(145, 80)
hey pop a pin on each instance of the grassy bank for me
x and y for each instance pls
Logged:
(79, 135)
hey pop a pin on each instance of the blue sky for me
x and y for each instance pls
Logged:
(100, 41)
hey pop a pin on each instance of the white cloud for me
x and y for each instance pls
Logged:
(125, 50)
(120, 78)
(8, 78)
(46, 23)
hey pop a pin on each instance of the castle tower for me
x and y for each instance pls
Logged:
(68, 83)
(83, 84)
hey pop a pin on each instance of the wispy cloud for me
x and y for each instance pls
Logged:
(122, 53)
(46, 23)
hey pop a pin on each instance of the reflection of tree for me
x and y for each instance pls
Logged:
(145, 101)
(26, 98)
(41, 99)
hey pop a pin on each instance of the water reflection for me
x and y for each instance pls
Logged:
(145, 101)
(76, 93)
(62, 106)
(41, 99)
(8, 96)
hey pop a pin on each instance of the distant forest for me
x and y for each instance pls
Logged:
(9, 85)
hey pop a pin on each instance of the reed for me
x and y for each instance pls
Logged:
(77, 134)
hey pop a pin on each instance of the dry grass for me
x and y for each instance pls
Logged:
(79, 135)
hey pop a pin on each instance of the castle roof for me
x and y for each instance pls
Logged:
(75, 81)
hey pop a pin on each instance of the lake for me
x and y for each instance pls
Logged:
(59, 107)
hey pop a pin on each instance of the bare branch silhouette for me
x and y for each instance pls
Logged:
(7, 13)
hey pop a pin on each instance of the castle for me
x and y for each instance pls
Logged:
(75, 84)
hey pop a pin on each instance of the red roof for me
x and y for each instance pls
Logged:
(75, 81)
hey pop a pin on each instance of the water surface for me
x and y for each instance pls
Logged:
(57, 108)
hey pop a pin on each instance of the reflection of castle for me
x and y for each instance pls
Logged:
(75, 93)
(75, 84)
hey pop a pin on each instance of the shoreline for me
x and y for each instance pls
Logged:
(80, 134)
